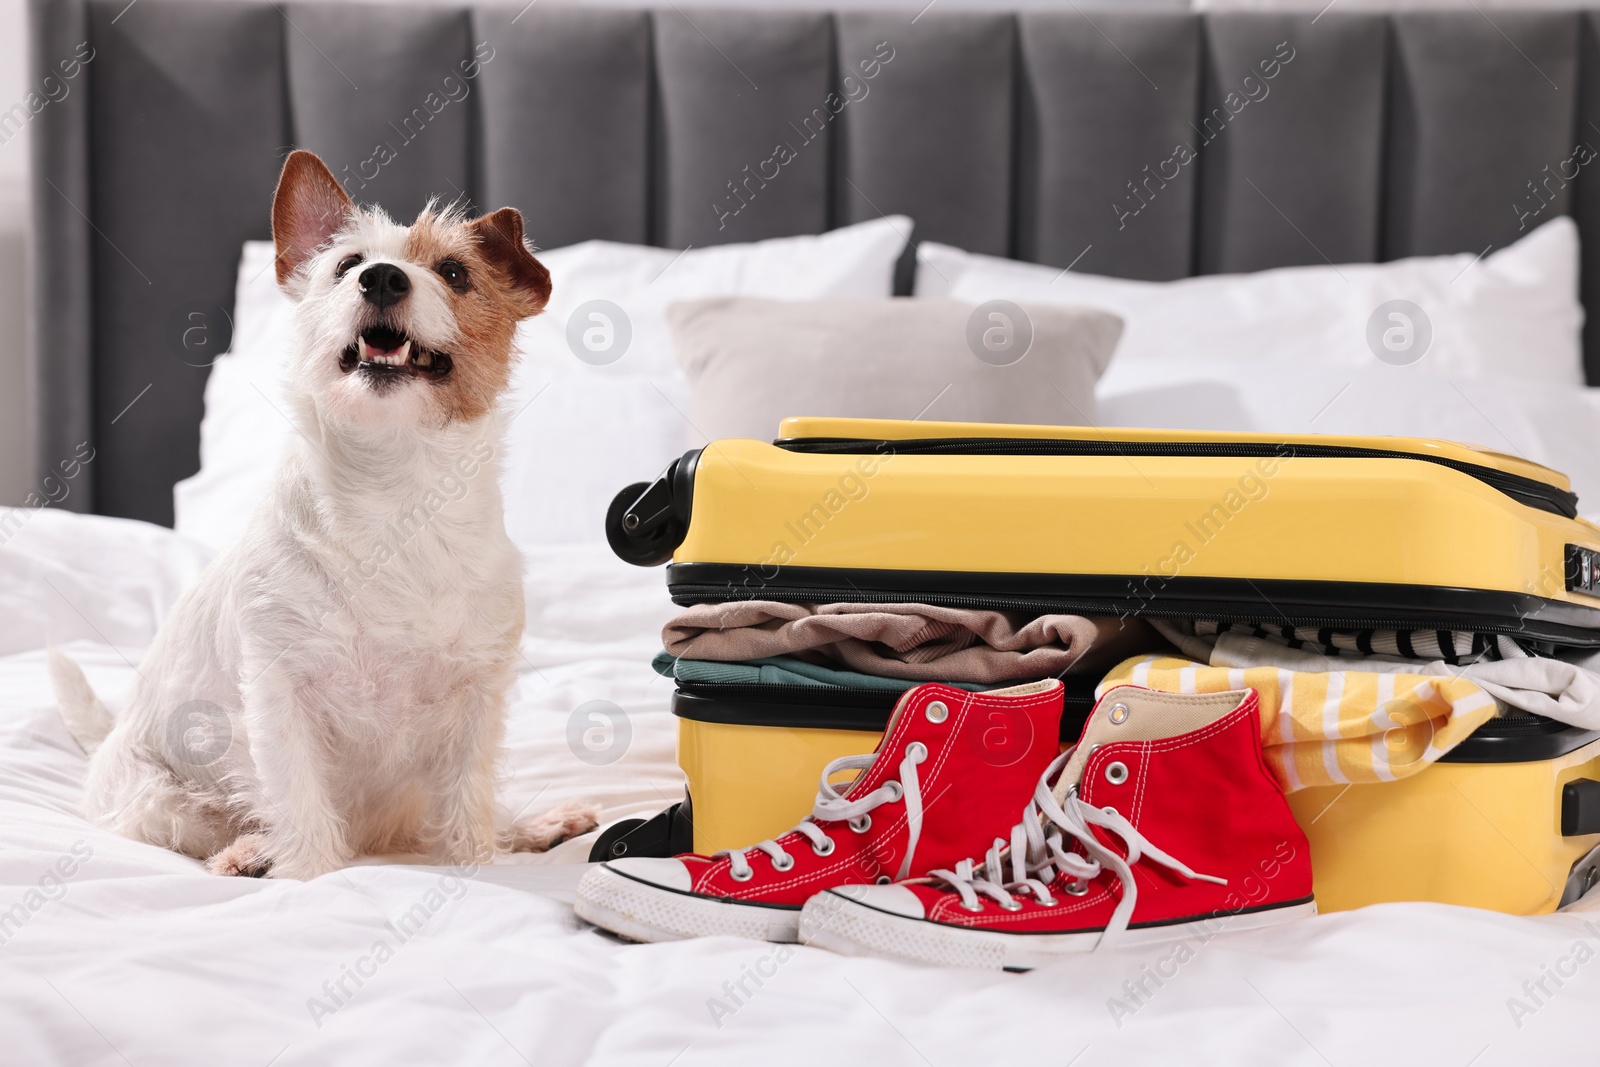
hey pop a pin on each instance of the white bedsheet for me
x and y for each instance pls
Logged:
(141, 958)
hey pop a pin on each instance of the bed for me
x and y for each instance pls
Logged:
(1007, 135)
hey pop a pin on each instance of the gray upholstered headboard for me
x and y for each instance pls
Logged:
(1033, 136)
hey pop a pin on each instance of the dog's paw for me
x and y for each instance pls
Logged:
(245, 858)
(543, 832)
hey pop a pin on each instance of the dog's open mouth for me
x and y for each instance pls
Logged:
(384, 352)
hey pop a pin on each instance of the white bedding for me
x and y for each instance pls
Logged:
(140, 958)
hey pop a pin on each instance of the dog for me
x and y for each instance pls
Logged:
(334, 685)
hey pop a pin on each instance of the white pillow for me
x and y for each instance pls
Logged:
(588, 430)
(246, 427)
(1556, 425)
(583, 428)
(1515, 312)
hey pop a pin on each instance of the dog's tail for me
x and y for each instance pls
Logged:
(88, 720)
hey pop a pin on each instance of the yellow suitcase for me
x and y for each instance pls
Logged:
(1332, 532)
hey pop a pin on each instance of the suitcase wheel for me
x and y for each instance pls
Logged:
(667, 834)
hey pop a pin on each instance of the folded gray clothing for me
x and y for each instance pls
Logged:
(1558, 689)
(781, 670)
(911, 642)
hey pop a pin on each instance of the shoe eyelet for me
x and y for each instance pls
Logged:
(1076, 889)
(896, 790)
(975, 908)
(883, 879)
(1039, 896)
(1015, 905)
(822, 850)
(783, 864)
(936, 711)
(917, 751)
(1116, 772)
(861, 825)
(1118, 714)
(748, 874)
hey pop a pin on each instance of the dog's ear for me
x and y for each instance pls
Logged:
(307, 210)
(501, 242)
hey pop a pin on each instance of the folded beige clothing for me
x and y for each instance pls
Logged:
(919, 642)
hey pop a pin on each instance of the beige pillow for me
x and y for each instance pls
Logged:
(753, 362)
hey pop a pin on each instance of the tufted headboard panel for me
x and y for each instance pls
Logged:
(1137, 144)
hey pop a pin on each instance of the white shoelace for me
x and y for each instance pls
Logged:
(832, 806)
(1036, 854)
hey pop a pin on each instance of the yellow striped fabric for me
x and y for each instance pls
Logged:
(1334, 728)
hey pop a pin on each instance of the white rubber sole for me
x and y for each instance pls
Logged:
(833, 922)
(640, 911)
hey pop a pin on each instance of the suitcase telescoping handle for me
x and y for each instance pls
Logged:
(647, 521)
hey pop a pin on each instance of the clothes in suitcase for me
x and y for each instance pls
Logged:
(1344, 535)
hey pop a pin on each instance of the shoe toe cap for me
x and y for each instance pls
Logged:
(664, 872)
(893, 899)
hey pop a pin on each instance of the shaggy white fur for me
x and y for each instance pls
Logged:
(335, 684)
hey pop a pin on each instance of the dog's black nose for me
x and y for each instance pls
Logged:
(383, 284)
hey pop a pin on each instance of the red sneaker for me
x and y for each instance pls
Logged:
(1086, 867)
(952, 768)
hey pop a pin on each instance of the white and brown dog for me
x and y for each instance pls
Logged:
(335, 685)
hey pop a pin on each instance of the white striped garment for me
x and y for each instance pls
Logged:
(1337, 727)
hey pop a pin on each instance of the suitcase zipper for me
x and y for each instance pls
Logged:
(1078, 689)
(687, 593)
(1527, 491)
(1509, 739)
(831, 707)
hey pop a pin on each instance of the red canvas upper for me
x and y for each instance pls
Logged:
(983, 762)
(1207, 799)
